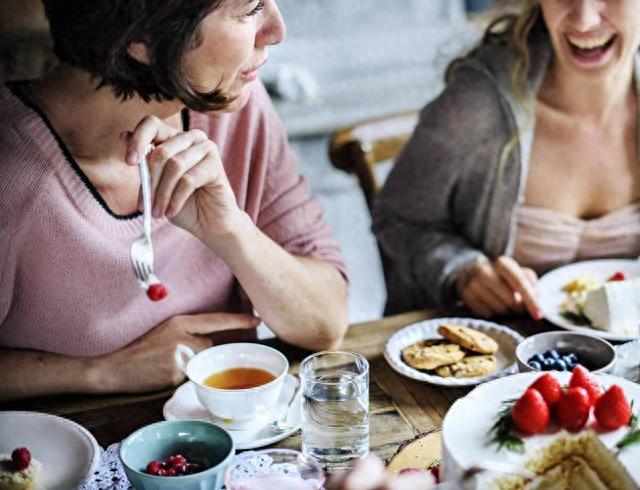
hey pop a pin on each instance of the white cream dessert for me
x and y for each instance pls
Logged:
(14, 479)
(615, 307)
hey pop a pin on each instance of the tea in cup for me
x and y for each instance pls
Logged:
(239, 383)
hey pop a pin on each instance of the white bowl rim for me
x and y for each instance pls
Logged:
(242, 390)
(193, 476)
(95, 457)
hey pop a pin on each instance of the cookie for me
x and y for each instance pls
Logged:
(469, 338)
(432, 353)
(469, 367)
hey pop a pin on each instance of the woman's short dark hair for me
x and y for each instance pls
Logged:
(94, 35)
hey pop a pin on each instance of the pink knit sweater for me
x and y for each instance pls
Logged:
(66, 282)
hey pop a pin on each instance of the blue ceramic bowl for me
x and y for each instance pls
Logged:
(199, 441)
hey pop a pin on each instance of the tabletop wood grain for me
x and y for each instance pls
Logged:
(400, 408)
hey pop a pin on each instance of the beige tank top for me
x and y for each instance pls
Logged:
(546, 239)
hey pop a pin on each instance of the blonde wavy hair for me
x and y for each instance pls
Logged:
(511, 30)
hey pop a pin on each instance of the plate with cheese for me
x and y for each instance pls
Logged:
(597, 297)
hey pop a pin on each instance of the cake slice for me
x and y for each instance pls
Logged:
(615, 307)
(571, 462)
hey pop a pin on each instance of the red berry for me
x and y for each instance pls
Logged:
(193, 468)
(171, 471)
(582, 378)
(573, 409)
(175, 461)
(617, 276)
(162, 472)
(21, 458)
(154, 467)
(549, 388)
(157, 291)
(612, 409)
(530, 414)
(435, 471)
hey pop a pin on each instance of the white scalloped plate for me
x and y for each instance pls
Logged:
(551, 295)
(506, 338)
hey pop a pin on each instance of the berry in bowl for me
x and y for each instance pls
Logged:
(563, 351)
(177, 454)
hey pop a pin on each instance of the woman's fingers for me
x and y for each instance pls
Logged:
(149, 130)
(521, 282)
(182, 168)
(207, 323)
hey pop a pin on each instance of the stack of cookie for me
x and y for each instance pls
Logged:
(462, 352)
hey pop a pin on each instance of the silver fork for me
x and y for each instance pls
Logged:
(141, 248)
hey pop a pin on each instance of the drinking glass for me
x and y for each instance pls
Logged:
(274, 469)
(335, 415)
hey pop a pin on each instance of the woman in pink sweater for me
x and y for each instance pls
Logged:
(235, 227)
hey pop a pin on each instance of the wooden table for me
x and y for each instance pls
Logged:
(400, 408)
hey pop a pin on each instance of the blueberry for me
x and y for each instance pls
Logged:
(553, 354)
(561, 365)
(567, 360)
(535, 365)
(549, 364)
(538, 358)
(573, 356)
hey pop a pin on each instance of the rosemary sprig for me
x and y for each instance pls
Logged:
(435, 463)
(500, 431)
(633, 436)
(577, 318)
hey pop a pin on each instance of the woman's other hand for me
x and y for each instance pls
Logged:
(369, 474)
(188, 181)
(148, 363)
(499, 287)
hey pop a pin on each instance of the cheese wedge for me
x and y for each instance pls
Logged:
(615, 307)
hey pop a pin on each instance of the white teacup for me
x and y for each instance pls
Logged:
(241, 408)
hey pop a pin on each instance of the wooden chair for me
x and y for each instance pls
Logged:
(367, 149)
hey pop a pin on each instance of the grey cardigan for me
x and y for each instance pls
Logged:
(446, 202)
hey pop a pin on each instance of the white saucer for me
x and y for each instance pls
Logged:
(68, 452)
(184, 404)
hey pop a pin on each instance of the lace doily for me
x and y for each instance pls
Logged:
(110, 475)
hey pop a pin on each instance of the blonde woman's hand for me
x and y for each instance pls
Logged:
(188, 181)
(369, 474)
(499, 287)
(148, 363)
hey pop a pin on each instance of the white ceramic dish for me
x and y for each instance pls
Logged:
(551, 294)
(506, 338)
(628, 365)
(68, 452)
(184, 404)
(466, 425)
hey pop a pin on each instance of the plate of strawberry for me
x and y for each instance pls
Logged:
(509, 418)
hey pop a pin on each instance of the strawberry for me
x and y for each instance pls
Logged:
(154, 467)
(21, 458)
(617, 276)
(549, 388)
(157, 291)
(612, 409)
(573, 409)
(582, 378)
(530, 414)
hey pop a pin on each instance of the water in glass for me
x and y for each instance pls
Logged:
(335, 427)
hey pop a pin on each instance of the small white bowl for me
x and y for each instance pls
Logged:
(594, 353)
(235, 409)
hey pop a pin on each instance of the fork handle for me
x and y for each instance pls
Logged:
(145, 183)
